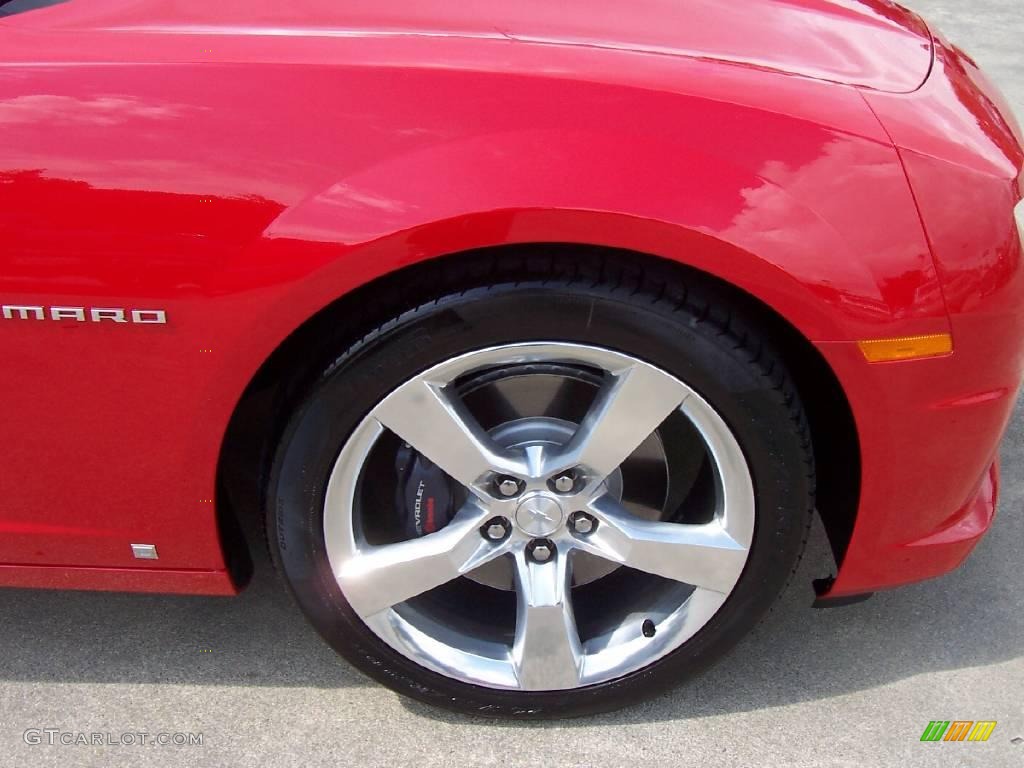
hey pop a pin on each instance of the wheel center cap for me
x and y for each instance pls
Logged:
(539, 515)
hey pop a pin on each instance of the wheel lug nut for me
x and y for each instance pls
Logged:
(582, 523)
(496, 529)
(540, 550)
(564, 483)
(508, 486)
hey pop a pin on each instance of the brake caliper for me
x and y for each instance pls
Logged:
(424, 493)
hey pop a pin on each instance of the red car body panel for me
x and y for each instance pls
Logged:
(870, 43)
(241, 166)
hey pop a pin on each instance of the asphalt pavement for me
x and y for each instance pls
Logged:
(843, 687)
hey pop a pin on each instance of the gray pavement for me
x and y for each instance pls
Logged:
(844, 687)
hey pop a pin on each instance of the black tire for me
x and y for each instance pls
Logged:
(689, 331)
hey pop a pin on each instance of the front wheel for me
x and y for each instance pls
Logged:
(543, 497)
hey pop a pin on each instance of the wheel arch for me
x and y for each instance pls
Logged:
(261, 412)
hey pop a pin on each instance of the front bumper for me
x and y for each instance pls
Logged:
(929, 432)
(933, 555)
(930, 429)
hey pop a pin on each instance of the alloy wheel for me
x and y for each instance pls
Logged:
(558, 567)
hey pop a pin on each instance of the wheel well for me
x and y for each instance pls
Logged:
(262, 412)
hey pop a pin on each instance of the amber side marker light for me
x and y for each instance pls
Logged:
(906, 347)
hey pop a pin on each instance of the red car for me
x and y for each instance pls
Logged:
(528, 335)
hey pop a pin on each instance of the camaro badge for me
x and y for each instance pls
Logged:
(84, 314)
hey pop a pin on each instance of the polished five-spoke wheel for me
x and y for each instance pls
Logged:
(542, 497)
(540, 503)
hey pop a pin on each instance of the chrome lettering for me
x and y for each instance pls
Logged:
(117, 315)
(149, 316)
(84, 314)
(23, 312)
(67, 313)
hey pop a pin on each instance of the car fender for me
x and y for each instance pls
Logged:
(752, 227)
